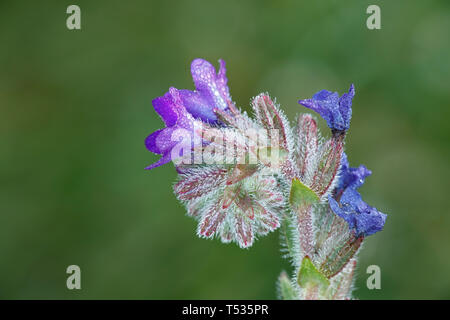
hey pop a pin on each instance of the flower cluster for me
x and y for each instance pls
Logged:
(242, 177)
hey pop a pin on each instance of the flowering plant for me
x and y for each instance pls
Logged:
(242, 177)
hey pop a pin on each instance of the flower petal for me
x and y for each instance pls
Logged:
(212, 86)
(165, 107)
(351, 177)
(370, 223)
(160, 141)
(335, 111)
(197, 105)
(365, 219)
(163, 160)
(150, 142)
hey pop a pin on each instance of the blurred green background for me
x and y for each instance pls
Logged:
(75, 108)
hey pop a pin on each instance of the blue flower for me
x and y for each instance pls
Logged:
(365, 219)
(351, 177)
(337, 111)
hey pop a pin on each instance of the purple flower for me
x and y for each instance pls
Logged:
(178, 122)
(211, 91)
(180, 109)
(365, 219)
(351, 177)
(337, 111)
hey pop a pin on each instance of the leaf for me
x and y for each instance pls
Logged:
(287, 237)
(340, 256)
(309, 277)
(196, 206)
(301, 195)
(286, 290)
(226, 231)
(272, 119)
(195, 183)
(330, 228)
(272, 157)
(244, 231)
(268, 220)
(211, 221)
(302, 199)
(330, 154)
(307, 145)
(240, 172)
(343, 284)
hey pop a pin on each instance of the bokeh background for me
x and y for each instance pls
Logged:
(75, 108)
